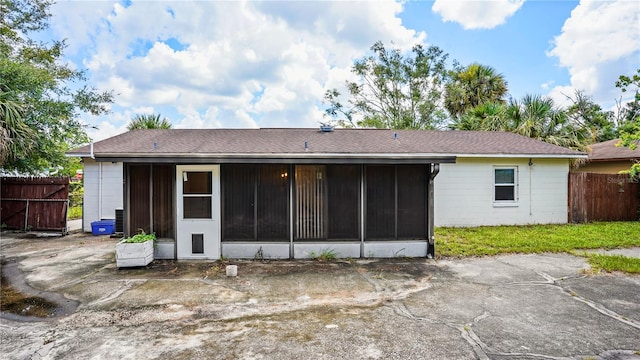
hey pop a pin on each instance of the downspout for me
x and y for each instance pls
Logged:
(434, 170)
(100, 191)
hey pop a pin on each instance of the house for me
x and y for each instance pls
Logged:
(294, 193)
(607, 158)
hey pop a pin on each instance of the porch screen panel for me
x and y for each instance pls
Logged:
(239, 187)
(163, 195)
(412, 202)
(343, 201)
(273, 202)
(310, 201)
(381, 204)
(139, 199)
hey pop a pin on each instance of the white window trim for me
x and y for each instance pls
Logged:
(506, 203)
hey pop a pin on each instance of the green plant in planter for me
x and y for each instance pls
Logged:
(140, 238)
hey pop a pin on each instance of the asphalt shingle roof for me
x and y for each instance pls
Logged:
(199, 142)
(607, 151)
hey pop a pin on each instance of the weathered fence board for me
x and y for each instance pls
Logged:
(602, 197)
(34, 203)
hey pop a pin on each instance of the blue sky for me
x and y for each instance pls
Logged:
(241, 64)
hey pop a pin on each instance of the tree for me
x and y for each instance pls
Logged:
(395, 90)
(41, 98)
(489, 116)
(538, 117)
(473, 86)
(630, 131)
(583, 112)
(149, 121)
(533, 116)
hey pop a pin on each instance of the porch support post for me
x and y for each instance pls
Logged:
(434, 169)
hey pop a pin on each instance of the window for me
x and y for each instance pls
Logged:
(505, 184)
(197, 194)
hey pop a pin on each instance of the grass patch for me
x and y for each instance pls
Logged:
(529, 239)
(614, 263)
(75, 212)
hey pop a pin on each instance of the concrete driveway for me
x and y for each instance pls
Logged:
(506, 307)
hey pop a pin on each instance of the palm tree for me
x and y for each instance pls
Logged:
(149, 121)
(490, 116)
(473, 86)
(15, 135)
(538, 117)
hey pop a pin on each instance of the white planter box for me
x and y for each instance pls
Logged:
(134, 254)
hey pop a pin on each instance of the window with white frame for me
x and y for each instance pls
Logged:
(505, 184)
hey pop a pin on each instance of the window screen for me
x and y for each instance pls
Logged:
(396, 202)
(381, 202)
(255, 202)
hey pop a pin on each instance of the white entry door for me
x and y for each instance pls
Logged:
(198, 215)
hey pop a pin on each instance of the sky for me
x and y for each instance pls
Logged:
(250, 64)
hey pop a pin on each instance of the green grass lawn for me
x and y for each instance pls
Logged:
(493, 240)
(530, 239)
(614, 263)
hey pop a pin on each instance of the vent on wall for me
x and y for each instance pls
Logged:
(119, 221)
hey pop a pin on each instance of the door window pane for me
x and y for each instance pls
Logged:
(196, 182)
(197, 207)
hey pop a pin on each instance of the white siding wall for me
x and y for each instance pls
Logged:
(464, 193)
(101, 204)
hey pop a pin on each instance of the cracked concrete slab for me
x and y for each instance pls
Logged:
(504, 307)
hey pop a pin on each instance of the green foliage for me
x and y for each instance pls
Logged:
(395, 91)
(586, 114)
(75, 212)
(630, 131)
(146, 121)
(614, 263)
(493, 240)
(41, 98)
(325, 255)
(533, 116)
(473, 86)
(139, 238)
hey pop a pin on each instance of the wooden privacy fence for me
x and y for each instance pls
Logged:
(602, 197)
(34, 203)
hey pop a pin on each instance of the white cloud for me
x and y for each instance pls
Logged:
(241, 64)
(476, 14)
(599, 42)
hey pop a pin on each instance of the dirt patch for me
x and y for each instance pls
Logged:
(14, 302)
(26, 303)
